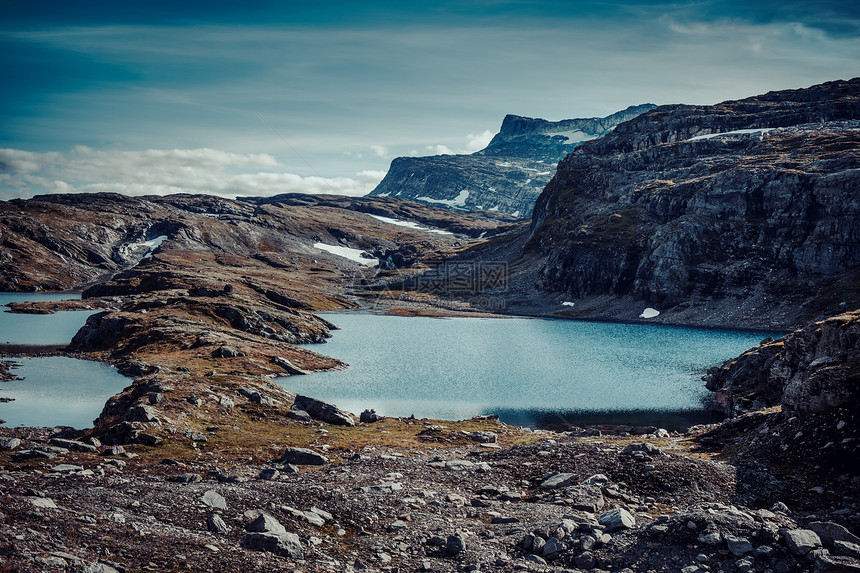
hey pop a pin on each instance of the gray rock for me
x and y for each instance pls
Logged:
(268, 473)
(227, 351)
(66, 469)
(214, 499)
(502, 519)
(557, 480)
(299, 415)
(458, 465)
(226, 402)
(291, 369)
(303, 457)
(616, 519)
(282, 544)
(265, 523)
(553, 548)
(596, 479)
(23, 455)
(585, 560)
(141, 413)
(43, 502)
(738, 546)
(257, 397)
(114, 451)
(712, 538)
(483, 437)
(454, 545)
(322, 513)
(73, 445)
(586, 498)
(846, 548)
(801, 541)
(215, 524)
(396, 526)
(369, 417)
(323, 412)
(186, 478)
(829, 532)
(836, 564)
(9, 443)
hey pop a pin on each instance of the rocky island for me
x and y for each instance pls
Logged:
(736, 214)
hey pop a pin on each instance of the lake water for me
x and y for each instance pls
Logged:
(57, 328)
(56, 391)
(59, 391)
(526, 371)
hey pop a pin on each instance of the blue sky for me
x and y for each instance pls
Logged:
(260, 97)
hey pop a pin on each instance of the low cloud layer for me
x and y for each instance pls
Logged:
(164, 171)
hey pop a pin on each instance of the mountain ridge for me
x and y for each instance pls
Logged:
(507, 175)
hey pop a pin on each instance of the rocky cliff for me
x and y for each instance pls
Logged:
(507, 175)
(745, 212)
(794, 402)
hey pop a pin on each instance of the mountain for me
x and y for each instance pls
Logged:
(741, 213)
(508, 175)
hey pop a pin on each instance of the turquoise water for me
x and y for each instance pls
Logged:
(58, 391)
(524, 370)
(57, 328)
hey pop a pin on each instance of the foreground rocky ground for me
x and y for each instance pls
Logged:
(408, 495)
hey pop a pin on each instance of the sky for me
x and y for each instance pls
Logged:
(262, 97)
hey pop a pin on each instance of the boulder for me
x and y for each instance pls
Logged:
(323, 412)
(369, 417)
(801, 541)
(282, 544)
(214, 499)
(303, 457)
(616, 519)
(557, 480)
(586, 498)
(215, 524)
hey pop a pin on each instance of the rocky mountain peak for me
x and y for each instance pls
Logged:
(507, 175)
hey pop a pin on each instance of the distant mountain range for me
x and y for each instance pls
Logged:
(508, 175)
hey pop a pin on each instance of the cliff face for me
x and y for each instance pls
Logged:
(711, 214)
(507, 175)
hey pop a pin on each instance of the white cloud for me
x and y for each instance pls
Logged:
(164, 171)
(478, 142)
(440, 150)
(380, 151)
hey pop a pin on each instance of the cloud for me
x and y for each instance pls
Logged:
(164, 171)
(478, 142)
(380, 151)
(441, 150)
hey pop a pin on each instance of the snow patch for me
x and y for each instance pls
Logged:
(458, 201)
(410, 225)
(735, 132)
(568, 303)
(516, 213)
(649, 313)
(356, 255)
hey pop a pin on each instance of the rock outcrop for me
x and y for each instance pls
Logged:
(745, 212)
(812, 370)
(507, 175)
(795, 401)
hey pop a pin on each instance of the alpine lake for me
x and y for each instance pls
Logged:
(531, 372)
